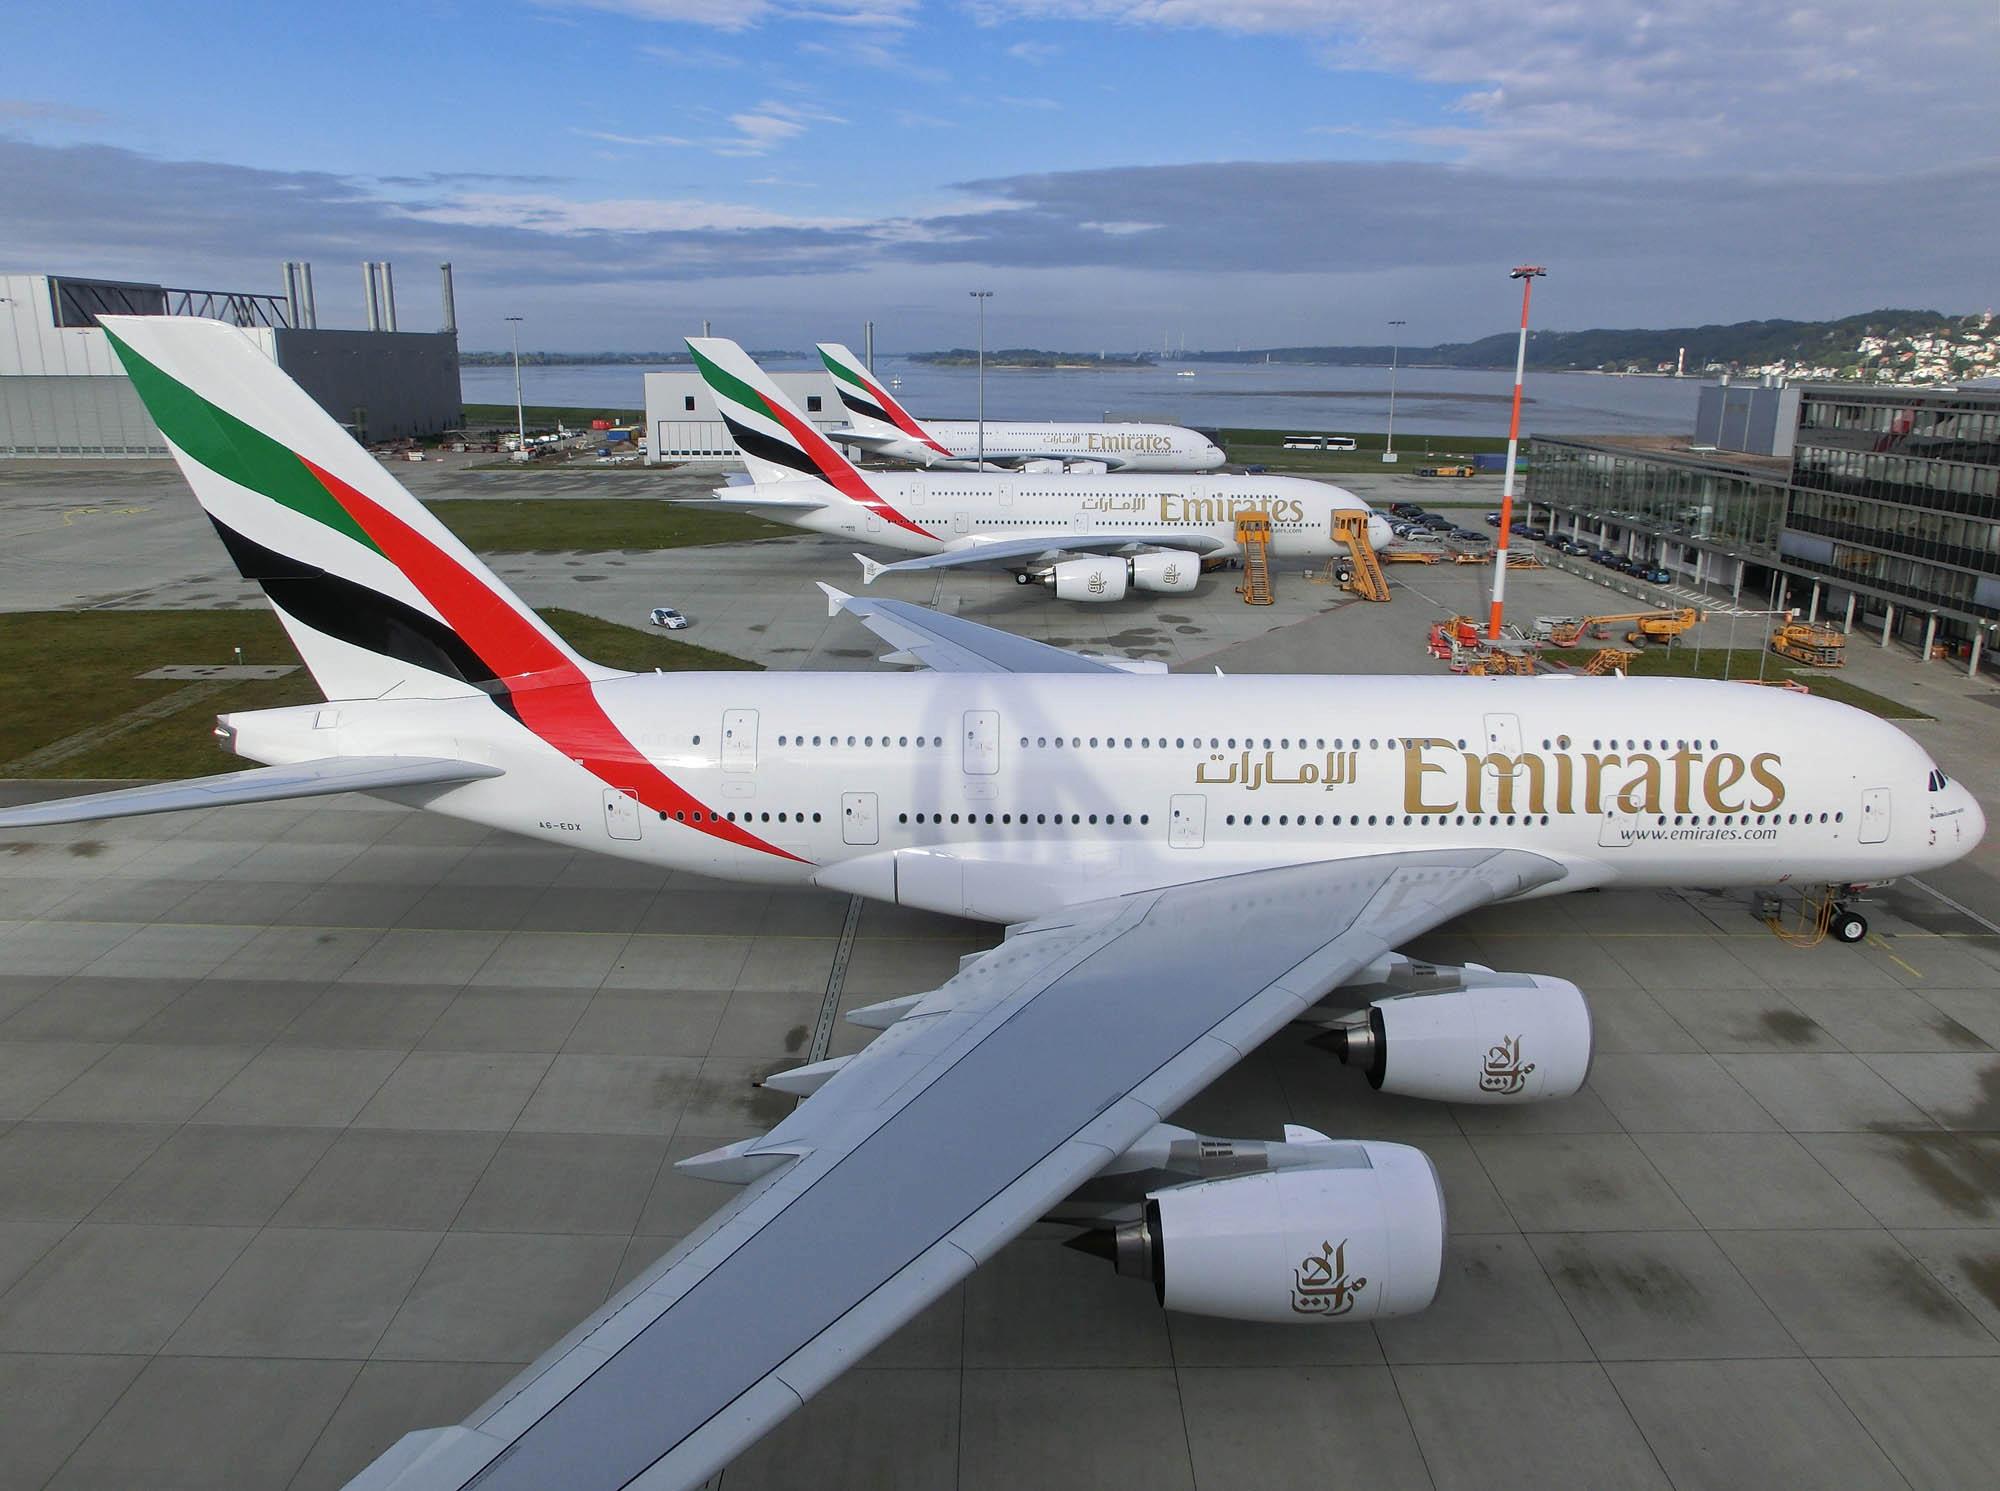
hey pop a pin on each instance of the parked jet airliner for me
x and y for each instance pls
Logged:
(880, 426)
(1088, 538)
(1186, 864)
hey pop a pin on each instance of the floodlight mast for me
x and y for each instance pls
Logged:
(1527, 274)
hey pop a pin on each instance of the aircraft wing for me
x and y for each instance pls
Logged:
(1012, 553)
(263, 784)
(951, 644)
(967, 1119)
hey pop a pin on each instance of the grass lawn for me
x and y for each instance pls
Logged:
(92, 657)
(1742, 662)
(591, 524)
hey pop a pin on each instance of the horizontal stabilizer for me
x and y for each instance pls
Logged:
(263, 784)
(751, 505)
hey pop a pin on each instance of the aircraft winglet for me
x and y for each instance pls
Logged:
(870, 568)
(835, 597)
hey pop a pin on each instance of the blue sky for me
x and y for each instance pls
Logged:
(1261, 172)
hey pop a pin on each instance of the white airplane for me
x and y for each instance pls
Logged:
(1087, 538)
(1186, 864)
(880, 426)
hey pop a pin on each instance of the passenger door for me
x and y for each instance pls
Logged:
(739, 740)
(857, 818)
(621, 813)
(1874, 815)
(982, 742)
(1187, 820)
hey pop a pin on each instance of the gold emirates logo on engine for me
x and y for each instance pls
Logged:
(1320, 1285)
(1440, 778)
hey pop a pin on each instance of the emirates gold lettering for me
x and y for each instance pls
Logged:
(1593, 782)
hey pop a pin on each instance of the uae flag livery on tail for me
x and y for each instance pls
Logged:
(779, 443)
(381, 600)
(868, 403)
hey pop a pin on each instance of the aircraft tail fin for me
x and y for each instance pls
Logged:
(869, 404)
(778, 442)
(378, 596)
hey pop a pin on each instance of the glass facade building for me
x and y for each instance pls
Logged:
(1889, 506)
(1899, 490)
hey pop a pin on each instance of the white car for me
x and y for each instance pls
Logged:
(669, 618)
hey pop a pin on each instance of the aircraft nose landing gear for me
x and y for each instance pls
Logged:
(1820, 914)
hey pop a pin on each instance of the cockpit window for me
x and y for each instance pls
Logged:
(1938, 780)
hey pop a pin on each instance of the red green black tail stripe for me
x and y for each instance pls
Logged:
(826, 463)
(484, 637)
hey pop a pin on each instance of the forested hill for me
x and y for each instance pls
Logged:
(1741, 344)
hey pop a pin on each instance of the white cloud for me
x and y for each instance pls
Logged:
(770, 124)
(742, 15)
(1034, 53)
(610, 138)
(861, 51)
(544, 213)
(41, 111)
(1120, 230)
(1838, 83)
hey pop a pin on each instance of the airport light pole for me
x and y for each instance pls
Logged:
(982, 296)
(520, 414)
(1527, 274)
(1395, 351)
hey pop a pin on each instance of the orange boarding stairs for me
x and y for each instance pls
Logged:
(1253, 536)
(1350, 527)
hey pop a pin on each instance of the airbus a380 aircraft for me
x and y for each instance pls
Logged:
(880, 426)
(1186, 864)
(1088, 538)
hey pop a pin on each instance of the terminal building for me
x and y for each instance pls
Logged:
(64, 395)
(1878, 508)
(683, 424)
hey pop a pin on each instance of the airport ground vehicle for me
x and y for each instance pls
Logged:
(669, 618)
(1454, 471)
(1162, 923)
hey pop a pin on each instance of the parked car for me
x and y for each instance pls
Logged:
(668, 617)
(1471, 536)
(1657, 576)
(1493, 520)
(1603, 556)
(1406, 510)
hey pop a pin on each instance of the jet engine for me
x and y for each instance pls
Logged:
(1170, 573)
(1361, 1239)
(1088, 580)
(1522, 1038)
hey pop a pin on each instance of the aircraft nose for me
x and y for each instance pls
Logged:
(1974, 817)
(1380, 535)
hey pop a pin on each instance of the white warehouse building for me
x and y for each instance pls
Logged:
(683, 424)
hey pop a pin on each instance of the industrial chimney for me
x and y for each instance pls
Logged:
(450, 304)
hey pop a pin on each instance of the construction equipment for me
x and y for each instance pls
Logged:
(1609, 660)
(1646, 626)
(1802, 642)
(1253, 536)
(1462, 642)
(1350, 527)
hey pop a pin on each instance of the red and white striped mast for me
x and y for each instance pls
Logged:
(1527, 274)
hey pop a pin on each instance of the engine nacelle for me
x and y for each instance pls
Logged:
(1088, 580)
(1171, 573)
(1360, 1239)
(1521, 1041)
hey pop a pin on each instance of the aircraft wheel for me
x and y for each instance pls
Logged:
(1848, 926)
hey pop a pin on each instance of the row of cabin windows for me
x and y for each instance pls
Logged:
(1005, 819)
(1511, 820)
(682, 815)
(798, 741)
(1247, 742)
